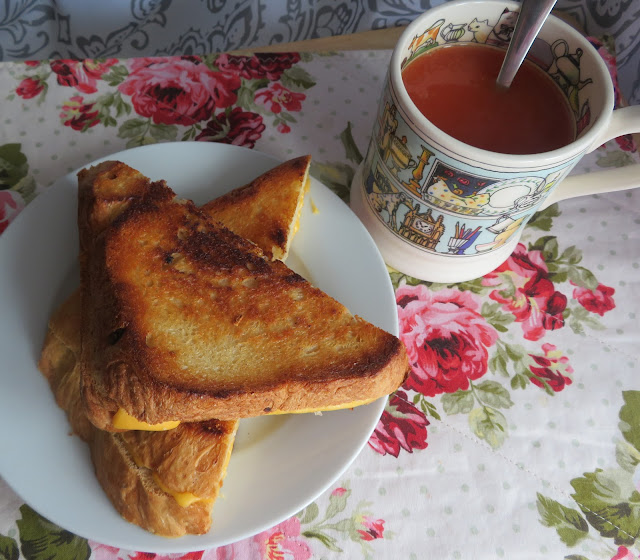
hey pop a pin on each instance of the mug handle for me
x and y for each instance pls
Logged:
(623, 121)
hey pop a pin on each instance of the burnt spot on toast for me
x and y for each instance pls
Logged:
(115, 336)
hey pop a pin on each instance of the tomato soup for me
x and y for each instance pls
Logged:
(454, 86)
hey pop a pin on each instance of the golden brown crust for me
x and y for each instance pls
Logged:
(104, 192)
(191, 458)
(136, 496)
(184, 320)
(265, 210)
(59, 364)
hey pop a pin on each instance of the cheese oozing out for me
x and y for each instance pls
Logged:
(296, 222)
(122, 420)
(184, 499)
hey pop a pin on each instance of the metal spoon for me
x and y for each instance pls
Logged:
(533, 14)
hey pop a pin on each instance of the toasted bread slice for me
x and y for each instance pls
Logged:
(165, 482)
(267, 210)
(184, 320)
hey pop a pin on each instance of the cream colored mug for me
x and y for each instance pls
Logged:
(405, 192)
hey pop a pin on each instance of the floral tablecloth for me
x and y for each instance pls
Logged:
(517, 434)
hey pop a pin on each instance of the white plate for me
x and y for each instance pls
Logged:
(279, 465)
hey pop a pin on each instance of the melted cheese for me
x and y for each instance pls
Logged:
(296, 224)
(324, 408)
(122, 420)
(184, 499)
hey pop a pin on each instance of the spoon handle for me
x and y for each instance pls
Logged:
(533, 14)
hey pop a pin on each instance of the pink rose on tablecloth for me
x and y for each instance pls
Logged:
(79, 115)
(260, 65)
(178, 91)
(9, 208)
(401, 426)
(197, 555)
(532, 299)
(624, 553)
(275, 97)
(339, 492)
(597, 301)
(371, 528)
(279, 542)
(143, 556)
(237, 127)
(32, 63)
(101, 551)
(30, 88)
(551, 368)
(283, 128)
(446, 338)
(82, 75)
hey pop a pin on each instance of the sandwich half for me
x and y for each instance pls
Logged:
(164, 481)
(185, 321)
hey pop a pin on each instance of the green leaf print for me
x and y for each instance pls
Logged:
(572, 255)
(247, 92)
(577, 317)
(630, 418)
(627, 456)
(617, 158)
(460, 402)
(608, 499)
(116, 75)
(495, 317)
(493, 394)
(42, 540)
(337, 177)
(133, 128)
(582, 277)
(575, 557)
(163, 132)
(498, 364)
(564, 266)
(611, 504)
(325, 539)
(351, 149)
(543, 220)
(489, 424)
(309, 513)
(337, 503)
(568, 523)
(13, 165)
(548, 246)
(348, 526)
(397, 277)
(297, 79)
(8, 548)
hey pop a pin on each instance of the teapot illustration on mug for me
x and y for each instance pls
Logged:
(567, 73)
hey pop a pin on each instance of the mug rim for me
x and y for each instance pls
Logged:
(571, 150)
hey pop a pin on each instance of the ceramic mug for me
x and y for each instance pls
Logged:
(444, 211)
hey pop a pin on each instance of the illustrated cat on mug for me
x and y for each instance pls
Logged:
(501, 33)
(480, 30)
